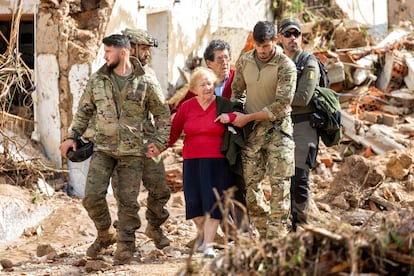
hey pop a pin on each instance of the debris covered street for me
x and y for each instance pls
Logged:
(362, 190)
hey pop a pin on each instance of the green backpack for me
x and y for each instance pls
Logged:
(327, 116)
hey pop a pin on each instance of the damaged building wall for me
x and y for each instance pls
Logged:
(185, 27)
(68, 33)
(68, 48)
(68, 45)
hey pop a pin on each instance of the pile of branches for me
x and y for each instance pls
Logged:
(18, 169)
(337, 248)
(15, 75)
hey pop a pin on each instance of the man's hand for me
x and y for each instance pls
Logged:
(241, 119)
(69, 143)
(152, 151)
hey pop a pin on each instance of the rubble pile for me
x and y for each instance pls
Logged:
(326, 250)
(362, 190)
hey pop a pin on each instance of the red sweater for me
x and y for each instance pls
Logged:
(202, 136)
(226, 91)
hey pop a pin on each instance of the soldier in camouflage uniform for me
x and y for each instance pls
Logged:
(154, 177)
(119, 93)
(265, 82)
(306, 138)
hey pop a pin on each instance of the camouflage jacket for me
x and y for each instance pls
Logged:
(121, 115)
(270, 88)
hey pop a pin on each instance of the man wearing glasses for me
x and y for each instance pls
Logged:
(217, 56)
(305, 137)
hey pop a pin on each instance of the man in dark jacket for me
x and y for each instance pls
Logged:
(305, 137)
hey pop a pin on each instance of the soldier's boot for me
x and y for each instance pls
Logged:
(276, 231)
(105, 238)
(156, 234)
(124, 253)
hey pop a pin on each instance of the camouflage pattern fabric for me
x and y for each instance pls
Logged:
(269, 151)
(128, 169)
(119, 120)
(120, 145)
(154, 177)
(154, 180)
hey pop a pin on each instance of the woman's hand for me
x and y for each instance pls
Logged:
(225, 118)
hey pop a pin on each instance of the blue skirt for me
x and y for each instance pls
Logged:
(200, 176)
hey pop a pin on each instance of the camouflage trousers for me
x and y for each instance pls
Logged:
(272, 153)
(129, 169)
(154, 180)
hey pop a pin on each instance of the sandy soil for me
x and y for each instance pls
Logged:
(67, 232)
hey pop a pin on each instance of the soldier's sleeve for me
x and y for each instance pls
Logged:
(238, 86)
(306, 84)
(160, 110)
(86, 109)
(286, 85)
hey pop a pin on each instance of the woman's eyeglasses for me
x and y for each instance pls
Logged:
(289, 34)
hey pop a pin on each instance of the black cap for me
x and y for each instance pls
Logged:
(117, 40)
(289, 23)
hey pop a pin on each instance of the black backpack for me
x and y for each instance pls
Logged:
(327, 116)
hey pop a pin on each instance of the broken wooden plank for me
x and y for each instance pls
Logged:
(385, 203)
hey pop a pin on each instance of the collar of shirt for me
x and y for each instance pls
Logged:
(219, 88)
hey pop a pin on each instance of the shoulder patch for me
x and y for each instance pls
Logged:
(310, 75)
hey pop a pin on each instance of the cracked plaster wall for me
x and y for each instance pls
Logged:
(68, 35)
(68, 45)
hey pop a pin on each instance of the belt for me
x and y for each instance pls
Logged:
(299, 118)
(281, 131)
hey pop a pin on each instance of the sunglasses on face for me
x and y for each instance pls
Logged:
(289, 34)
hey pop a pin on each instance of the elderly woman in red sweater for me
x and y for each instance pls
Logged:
(204, 167)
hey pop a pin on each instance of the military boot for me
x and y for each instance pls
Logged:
(124, 253)
(155, 233)
(105, 238)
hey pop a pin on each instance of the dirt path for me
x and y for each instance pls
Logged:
(67, 232)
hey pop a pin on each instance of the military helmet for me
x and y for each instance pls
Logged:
(83, 151)
(140, 37)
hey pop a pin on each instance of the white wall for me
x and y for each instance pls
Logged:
(372, 12)
(28, 6)
(186, 27)
(46, 106)
(182, 28)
